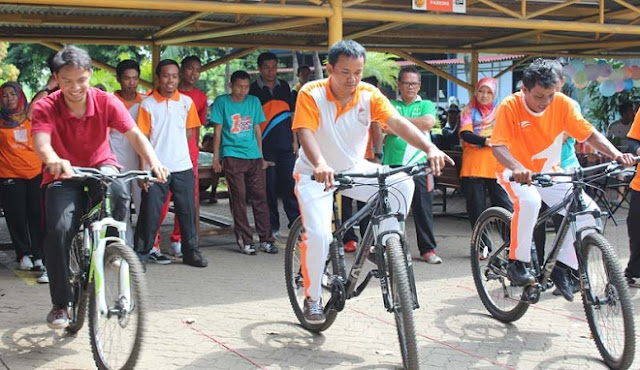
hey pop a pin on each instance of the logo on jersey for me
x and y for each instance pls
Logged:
(240, 124)
(524, 124)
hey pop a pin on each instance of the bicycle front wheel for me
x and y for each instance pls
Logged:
(116, 336)
(295, 280)
(78, 269)
(402, 302)
(490, 243)
(607, 303)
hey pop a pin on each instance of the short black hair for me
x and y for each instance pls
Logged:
(165, 62)
(373, 80)
(71, 55)
(302, 68)
(127, 64)
(239, 75)
(348, 48)
(541, 72)
(190, 58)
(624, 107)
(408, 69)
(266, 56)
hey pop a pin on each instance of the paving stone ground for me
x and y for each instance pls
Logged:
(235, 314)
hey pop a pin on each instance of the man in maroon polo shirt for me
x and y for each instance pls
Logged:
(71, 128)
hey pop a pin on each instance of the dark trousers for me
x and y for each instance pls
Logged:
(347, 212)
(422, 208)
(540, 233)
(246, 180)
(475, 191)
(65, 204)
(22, 212)
(280, 183)
(633, 229)
(182, 186)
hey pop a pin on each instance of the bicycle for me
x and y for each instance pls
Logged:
(392, 259)
(605, 295)
(106, 276)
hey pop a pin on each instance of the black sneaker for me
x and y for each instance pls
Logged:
(58, 317)
(195, 259)
(518, 273)
(313, 312)
(159, 258)
(562, 282)
(632, 282)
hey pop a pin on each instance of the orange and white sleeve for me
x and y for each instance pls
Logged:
(307, 114)
(193, 120)
(144, 121)
(381, 109)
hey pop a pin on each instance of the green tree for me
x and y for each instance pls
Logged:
(383, 66)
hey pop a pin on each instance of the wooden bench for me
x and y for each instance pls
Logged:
(449, 178)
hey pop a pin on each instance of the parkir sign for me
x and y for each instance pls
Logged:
(451, 6)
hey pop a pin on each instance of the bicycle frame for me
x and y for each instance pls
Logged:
(378, 209)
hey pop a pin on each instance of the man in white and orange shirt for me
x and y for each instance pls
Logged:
(528, 138)
(168, 119)
(128, 76)
(332, 120)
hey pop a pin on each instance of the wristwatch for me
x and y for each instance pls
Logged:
(47, 90)
(378, 155)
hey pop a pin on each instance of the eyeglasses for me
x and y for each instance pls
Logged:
(410, 84)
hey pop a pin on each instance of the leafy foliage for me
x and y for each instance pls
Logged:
(383, 66)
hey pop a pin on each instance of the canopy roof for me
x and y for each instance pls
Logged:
(573, 27)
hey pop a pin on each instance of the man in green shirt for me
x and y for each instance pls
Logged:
(398, 152)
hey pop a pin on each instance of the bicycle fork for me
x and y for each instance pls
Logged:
(98, 229)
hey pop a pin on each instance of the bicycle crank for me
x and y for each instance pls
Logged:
(338, 296)
(531, 293)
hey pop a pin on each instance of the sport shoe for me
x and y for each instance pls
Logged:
(276, 234)
(176, 249)
(268, 247)
(44, 278)
(633, 283)
(561, 280)
(194, 259)
(431, 257)
(518, 273)
(37, 265)
(25, 263)
(313, 312)
(58, 318)
(350, 246)
(247, 249)
(159, 258)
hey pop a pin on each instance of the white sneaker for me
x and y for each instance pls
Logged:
(44, 278)
(37, 265)
(26, 264)
(176, 249)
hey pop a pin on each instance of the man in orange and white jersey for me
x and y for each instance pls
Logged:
(528, 138)
(332, 121)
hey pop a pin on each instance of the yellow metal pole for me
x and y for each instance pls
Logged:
(180, 24)
(371, 31)
(474, 71)
(513, 66)
(155, 59)
(226, 58)
(335, 22)
(432, 69)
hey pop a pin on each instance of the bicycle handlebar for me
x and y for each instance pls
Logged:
(94, 173)
(381, 173)
(606, 168)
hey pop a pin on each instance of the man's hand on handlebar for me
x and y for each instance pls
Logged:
(324, 174)
(60, 168)
(626, 159)
(438, 159)
(522, 175)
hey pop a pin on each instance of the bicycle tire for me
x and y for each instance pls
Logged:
(499, 297)
(78, 270)
(294, 280)
(108, 352)
(606, 321)
(403, 304)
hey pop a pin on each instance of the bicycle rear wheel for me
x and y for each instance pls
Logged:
(402, 302)
(295, 281)
(609, 313)
(489, 258)
(78, 270)
(116, 337)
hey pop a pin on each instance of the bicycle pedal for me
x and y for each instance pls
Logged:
(375, 274)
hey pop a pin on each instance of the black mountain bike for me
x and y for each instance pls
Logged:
(605, 294)
(392, 259)
(107, 278)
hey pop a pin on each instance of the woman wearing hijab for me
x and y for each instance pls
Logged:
(20, 177)
(478, 172)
